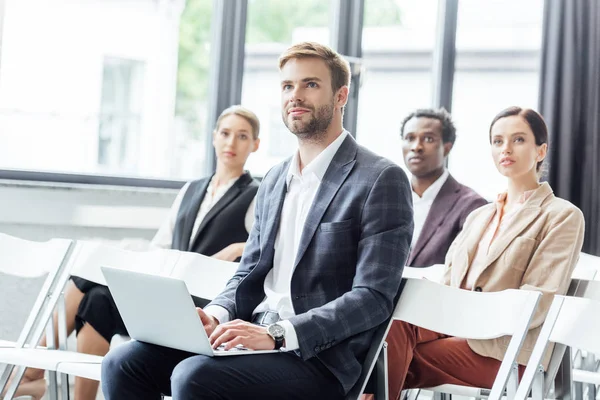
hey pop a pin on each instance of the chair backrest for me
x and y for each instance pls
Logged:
(458, 312)
(577, 324)
(90, 256)
(571, 321)
(204, 276)
(433, 273)
(590, 290)
(28, 259)
(461, 313)
(588, 261)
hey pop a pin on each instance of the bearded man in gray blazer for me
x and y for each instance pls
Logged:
(320, 272)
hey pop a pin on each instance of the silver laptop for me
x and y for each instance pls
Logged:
(159, 310)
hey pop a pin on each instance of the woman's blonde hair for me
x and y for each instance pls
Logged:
(244, 113)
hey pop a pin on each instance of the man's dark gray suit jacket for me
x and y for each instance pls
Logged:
(349, 264)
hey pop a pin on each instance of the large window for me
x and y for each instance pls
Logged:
(497, 66)
(120, 114)
(109, 87)
(272, 27)
(398, 40)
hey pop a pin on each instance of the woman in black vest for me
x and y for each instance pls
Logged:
(211, 216)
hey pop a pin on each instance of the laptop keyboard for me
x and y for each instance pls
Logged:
(237, 348)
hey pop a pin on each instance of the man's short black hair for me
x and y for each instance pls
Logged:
(448, 128)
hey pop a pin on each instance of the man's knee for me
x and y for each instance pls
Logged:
(194, 374)
(112, 364)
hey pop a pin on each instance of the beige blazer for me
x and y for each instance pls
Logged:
(538, 251)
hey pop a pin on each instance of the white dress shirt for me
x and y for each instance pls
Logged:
(422, 205)
(302, 186)
(164, 236)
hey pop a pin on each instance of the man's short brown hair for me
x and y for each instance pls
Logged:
(338, 67)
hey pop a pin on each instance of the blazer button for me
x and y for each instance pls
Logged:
(317, 349)
(478, 289)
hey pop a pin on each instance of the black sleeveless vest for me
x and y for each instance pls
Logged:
(222, 225)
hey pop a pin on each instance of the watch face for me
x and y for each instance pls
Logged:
(276, 330)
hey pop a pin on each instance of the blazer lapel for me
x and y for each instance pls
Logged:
(274, 207)
(190, 219)
(227, 198)
(471, 241)
(337, 172)
(443, 203)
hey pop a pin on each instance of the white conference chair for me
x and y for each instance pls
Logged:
(557, 378)
(205, 277)
(85, 260)
(571, 322)
(585, 363)
(457, 312)
(27, 259)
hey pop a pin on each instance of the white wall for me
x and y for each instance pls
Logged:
(40, 211)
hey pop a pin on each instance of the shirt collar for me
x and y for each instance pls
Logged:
(227, 185)
(434, 189)
(501, 199)
(319, 165)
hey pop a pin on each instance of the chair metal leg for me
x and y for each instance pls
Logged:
(62, 343)
(14, 385)
(537, 388)
(411, 394)
(589, 364)
(50, 343)
(382, 391)
(563, 382)
(5, 376)
(513, 382)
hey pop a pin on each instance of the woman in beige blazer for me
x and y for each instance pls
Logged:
(528, 239)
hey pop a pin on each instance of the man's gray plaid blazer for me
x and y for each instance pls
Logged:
(349, 264)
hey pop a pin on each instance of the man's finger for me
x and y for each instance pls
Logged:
(237, 341)
(226, 336)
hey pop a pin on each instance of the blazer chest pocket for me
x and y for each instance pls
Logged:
(336, 226)
(519, 253)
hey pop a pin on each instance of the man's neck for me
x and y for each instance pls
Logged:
(421, 184)
(309, 149)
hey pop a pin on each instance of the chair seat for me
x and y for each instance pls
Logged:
(44, 359)
(458, 390)
(89, 370)
(586, 376)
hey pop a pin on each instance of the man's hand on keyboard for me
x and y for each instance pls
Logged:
(238, 332)
(209, 322)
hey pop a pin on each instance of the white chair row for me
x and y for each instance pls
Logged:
(59, 259)
(559, 375)
(422, 303)
(572, 322)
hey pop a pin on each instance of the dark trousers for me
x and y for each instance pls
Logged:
(143, 371)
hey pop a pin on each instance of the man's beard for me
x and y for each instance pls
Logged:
(315, 128)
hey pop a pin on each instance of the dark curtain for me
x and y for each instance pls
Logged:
(570, 103)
